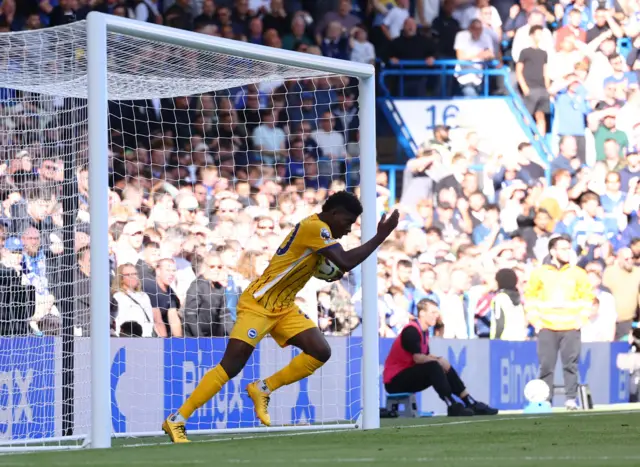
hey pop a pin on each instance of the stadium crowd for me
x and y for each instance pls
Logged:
(204, 189)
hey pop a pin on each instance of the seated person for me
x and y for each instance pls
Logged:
(410, 367)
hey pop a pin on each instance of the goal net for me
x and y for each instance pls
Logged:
(212, 159)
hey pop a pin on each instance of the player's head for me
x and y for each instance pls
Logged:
(340, 211)
(428, 313)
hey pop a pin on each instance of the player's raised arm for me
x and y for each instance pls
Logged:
(347, 260)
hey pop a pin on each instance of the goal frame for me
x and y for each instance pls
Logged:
(98, 25)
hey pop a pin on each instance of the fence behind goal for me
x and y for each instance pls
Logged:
(135, 144)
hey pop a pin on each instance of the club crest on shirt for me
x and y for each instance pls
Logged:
(325, 234)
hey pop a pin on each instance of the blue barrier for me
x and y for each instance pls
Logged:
(152, 377)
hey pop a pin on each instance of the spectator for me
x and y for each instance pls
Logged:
(129, 246)
(208, 15)
(342, 16)
(454, 306)
(164, 301)
(268, 139)
(604, 21)
(537, 236)
(256, 30)
(531, 72)
(411, 46)
(445, 28)
(571, 107)
(362, 50)
(46, 316)
(179, 15)
(588, 228)
(63, 13)
(631, 171)
(459, 169)
(602, 322)
(571, 29)
(205, 312)
(36, 266)
(133, 305)
(508, 320)
(298, 35)
(131, 329)
(489, 233)
(336, 42)
(474, 45)
(395, 19)
(82, 293)
(603, 125)
(568, 158)
(522, 39)
(275, 17)
(331, 143)
(623, 279)
(585, 14)
(12, 255)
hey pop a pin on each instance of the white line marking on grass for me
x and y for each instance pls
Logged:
(424, 425)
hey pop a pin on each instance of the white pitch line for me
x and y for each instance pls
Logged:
(318, 432)
(428, 425)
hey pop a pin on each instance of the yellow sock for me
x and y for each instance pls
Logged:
(209, 386)
(300, 367)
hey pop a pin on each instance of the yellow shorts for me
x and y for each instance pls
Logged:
(254, 322)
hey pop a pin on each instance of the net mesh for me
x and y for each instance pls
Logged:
(213, 159)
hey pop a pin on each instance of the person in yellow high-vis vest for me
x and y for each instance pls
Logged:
(558, 300)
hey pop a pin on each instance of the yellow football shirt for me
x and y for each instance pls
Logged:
(292, 266)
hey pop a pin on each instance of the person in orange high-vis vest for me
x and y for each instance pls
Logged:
(410, 367)
(558, 301)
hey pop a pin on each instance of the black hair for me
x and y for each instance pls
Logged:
(535, 28)
(435, 230)
(405, 263)
(343, 200)
(589, 196)
(507, 279)
(131, 329)
(559, 238)
(422, 304)
(525, 144)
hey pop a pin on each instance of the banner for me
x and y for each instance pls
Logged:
(151, 378)
(27, 387)
(492, 118)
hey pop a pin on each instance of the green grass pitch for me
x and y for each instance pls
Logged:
(576, 439)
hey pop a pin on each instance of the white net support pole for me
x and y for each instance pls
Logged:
(99, 214)
(161, 116)
(98, 26)
(370, 364)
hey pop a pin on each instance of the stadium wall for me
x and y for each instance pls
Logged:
(151, 377)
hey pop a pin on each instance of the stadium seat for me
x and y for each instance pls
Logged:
(405, 399)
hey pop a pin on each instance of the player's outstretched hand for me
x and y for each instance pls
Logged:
(388, 223)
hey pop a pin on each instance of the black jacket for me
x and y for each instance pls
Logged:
(205, 312)
(17, 303)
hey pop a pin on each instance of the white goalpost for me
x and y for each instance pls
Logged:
(108, 127)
